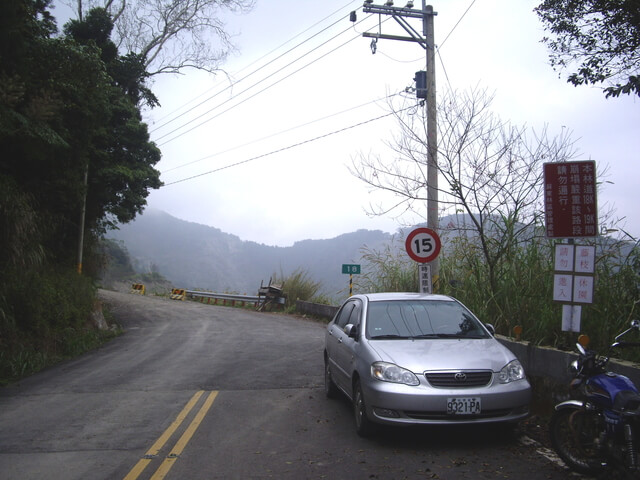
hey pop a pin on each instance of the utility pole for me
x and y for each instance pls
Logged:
(426, 41)
(83, 214)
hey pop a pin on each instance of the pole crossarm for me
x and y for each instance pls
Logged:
(395, 37)
(399, 14)
(390, 10)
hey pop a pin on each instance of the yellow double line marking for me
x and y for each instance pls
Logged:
(180, 445)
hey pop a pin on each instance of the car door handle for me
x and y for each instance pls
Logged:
(340, 340)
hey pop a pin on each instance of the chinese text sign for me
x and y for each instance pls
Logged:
(571, 209)
(574, 269)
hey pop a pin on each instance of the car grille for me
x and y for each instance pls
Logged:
(459, 418)
(458, 379)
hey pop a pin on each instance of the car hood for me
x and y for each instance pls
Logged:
(444, 354)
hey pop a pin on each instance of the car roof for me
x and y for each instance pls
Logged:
(388, 296)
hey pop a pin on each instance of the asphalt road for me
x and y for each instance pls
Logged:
(195, 391)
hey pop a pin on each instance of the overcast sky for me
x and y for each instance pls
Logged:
(256, 152)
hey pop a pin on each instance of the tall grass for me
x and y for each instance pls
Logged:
(298, 286)
(523, 293)
(520, 290)
(387, 270)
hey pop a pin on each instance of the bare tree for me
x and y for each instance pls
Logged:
(492, 171)
(170, 35)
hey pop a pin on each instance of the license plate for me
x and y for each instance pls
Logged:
(463, 406)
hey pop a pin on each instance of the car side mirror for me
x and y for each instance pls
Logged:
(491, 328)
(351, 330)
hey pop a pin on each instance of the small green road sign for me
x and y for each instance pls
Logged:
(351, 269)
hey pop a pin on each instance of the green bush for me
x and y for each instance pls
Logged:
(44, 317)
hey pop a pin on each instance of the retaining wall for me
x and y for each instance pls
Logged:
(316, 309)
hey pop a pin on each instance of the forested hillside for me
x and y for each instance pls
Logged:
(76, 158)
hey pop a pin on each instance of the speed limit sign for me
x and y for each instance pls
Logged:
(423, 245)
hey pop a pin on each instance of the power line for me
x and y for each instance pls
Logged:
(457, 23)
(444, 69)
(286, 148)
(445, 39)
(278, 133)
(256, 70)
(254, 85)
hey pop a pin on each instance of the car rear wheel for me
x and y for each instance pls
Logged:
(364, 426)
(330, 388)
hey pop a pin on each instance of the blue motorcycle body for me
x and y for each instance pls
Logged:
(605, 388)
(601, 428)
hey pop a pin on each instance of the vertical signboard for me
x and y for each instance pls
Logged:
(571, 209)
(573, 281)
(426, 283)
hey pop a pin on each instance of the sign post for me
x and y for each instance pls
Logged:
(571, 211)
(423, 245)
(351, 269)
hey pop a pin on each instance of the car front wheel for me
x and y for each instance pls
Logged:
(364, 426)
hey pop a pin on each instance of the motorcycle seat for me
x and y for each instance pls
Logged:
(627, 401)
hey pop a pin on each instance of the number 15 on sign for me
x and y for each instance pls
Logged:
(423, 245)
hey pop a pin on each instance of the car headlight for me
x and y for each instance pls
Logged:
(388, 372)
(511, 372)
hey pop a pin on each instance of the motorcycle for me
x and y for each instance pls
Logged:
(599, 432)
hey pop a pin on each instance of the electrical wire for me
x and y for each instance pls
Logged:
(304, 142)
(281, 132)
(445, 39)
(232, 84)
(457, 23)
(251, 87)
(254, 85)
(286, 66)
(444, 69)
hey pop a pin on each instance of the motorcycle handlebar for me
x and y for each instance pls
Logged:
(625, 344)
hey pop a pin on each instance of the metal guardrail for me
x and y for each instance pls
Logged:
(225, 296)
(260, 301)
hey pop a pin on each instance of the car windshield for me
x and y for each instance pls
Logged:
(421, 319)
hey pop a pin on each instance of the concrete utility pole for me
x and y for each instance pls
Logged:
(426, 40)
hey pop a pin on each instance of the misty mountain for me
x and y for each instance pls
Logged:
(195, 256)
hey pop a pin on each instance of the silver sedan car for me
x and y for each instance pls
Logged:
(407, 358)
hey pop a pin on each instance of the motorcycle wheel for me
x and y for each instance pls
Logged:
(575, 436)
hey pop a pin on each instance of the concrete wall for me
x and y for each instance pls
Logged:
(537, 361)
(316, 309)
(554, 364)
